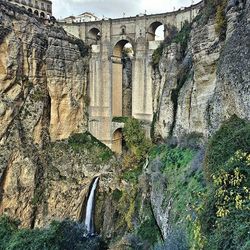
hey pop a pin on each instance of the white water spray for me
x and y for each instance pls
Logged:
(89, 221)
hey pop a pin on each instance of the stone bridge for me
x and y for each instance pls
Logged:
(107, 93)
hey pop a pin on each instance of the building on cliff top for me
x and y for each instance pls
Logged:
(84, 17)
(41, 8)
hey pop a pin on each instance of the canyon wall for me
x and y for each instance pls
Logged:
(43, 84)
(195, 93)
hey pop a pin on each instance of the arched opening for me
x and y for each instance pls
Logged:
(30, 10)
(36, 13)
(42, 15)
(94, 35)
(52, 19)
(156, 32)
(122, 79)
(117, 141)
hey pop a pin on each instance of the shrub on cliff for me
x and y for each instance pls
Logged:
(232, 136)
(87, 142)
(224, 215)
(136, 140)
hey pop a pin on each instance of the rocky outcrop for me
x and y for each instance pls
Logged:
(41, 68)
(195, 94)
(43, 82)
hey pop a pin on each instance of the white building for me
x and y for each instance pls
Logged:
(84, 17)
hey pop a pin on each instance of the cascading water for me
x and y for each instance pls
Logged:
(89, 218)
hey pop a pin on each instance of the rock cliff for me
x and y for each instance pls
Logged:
(43, 82)
(196, 92)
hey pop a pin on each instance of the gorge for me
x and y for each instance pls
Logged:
(177, 116)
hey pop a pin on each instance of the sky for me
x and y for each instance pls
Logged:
(116, 8)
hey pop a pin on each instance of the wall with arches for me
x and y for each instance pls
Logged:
(40, 8)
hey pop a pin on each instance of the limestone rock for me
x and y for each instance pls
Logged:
(217, 84)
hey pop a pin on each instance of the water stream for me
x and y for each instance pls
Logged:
(89, 218)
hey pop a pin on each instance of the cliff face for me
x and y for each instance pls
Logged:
(41, 70)
(195, 94)
(43, 81)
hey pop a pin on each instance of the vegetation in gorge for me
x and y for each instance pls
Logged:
(86, 141)
(185, 184)
(224, 213)
(137, 143)
(134, 213)
(211, 204)
(66, 235)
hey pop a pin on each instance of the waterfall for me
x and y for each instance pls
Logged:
(89, 220)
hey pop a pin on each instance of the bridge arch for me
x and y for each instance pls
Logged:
(94, 35)
(122, 78)
(151, 32)
(117, 141)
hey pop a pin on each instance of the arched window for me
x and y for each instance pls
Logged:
(42, 15)
(36, 12)
(30, 10)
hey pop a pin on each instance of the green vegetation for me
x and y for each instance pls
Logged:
(220, 19)
(148, 230)
(182, 37)
(157, 55)
(215, 8)
(210, 205)
(120, 119)
(224, 213)
(137, 143)
(185, 185)
(84, 50)
(233, 135)
(66, 235)
(132, 175)
(117, 194)
(87, 142)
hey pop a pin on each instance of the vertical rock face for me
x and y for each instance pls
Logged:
(43, 82)
(41, 62)
(217, 83)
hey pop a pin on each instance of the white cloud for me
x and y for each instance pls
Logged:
(115, 8)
